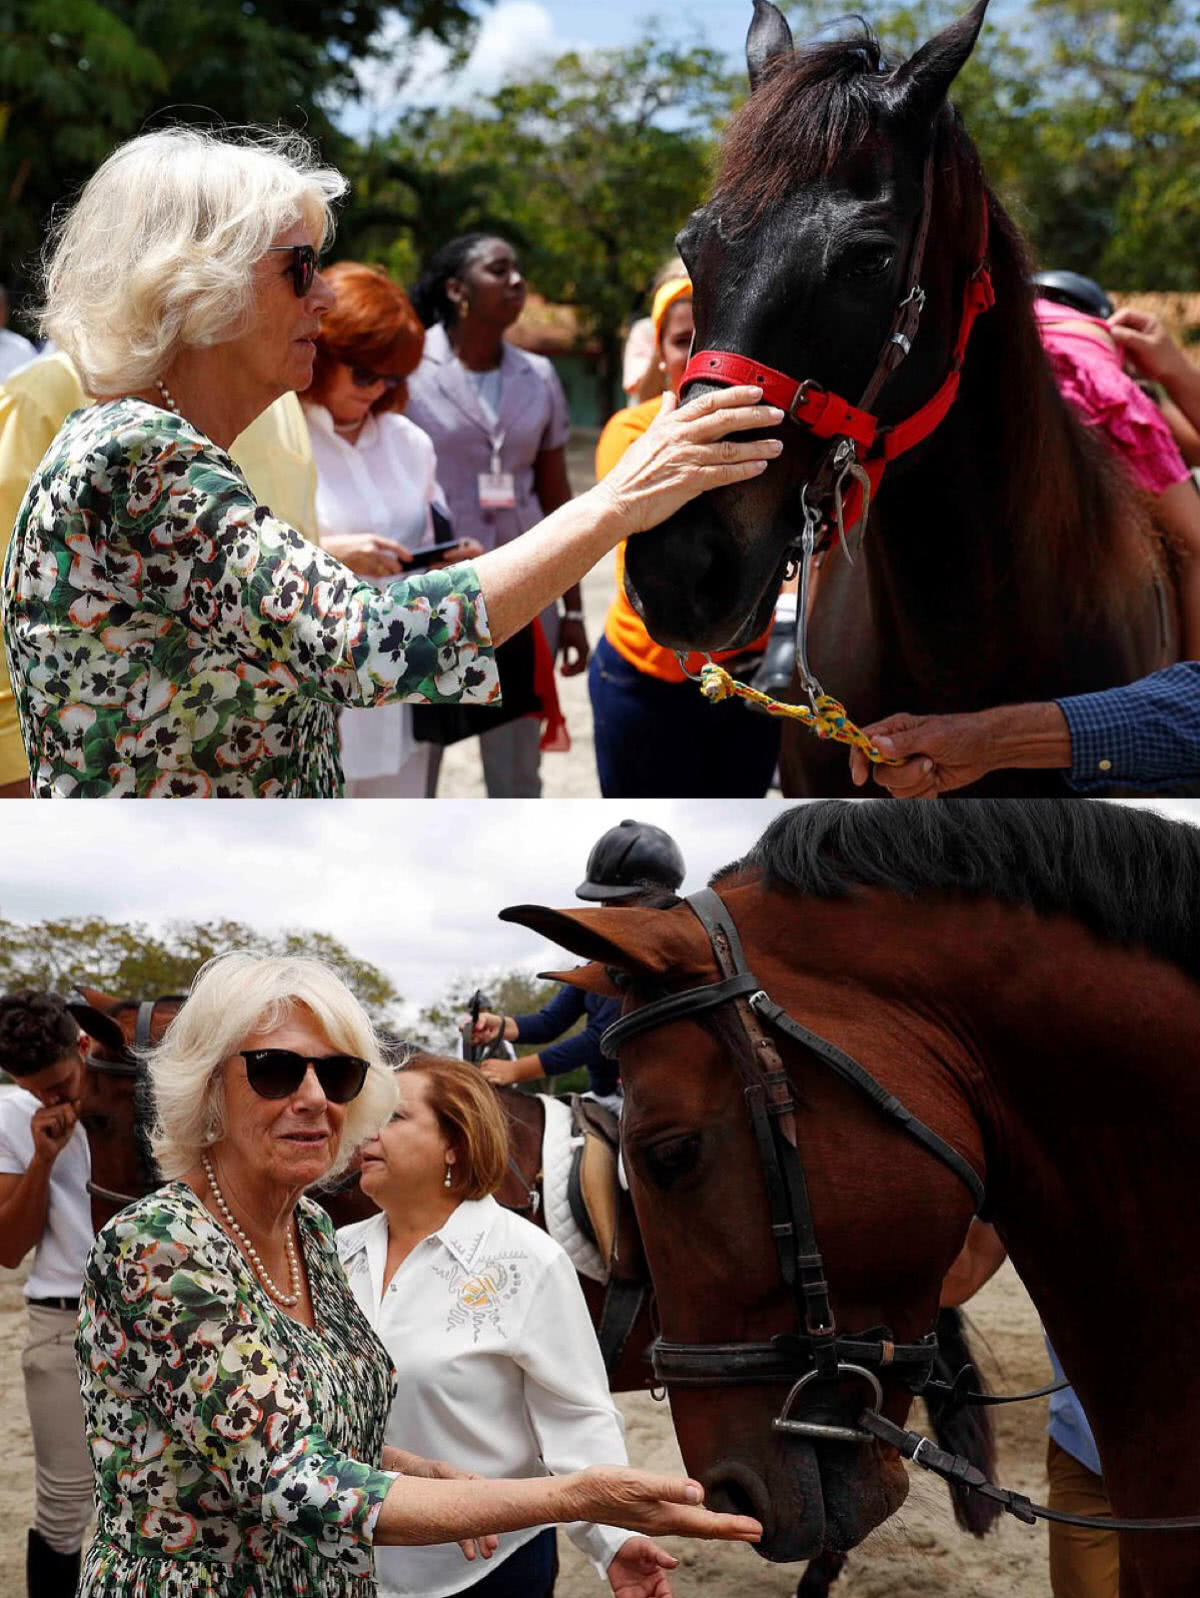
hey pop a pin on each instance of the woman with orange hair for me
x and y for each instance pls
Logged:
(656, 735)
(376, 488)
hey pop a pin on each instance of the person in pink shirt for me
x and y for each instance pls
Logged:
(1088, 366)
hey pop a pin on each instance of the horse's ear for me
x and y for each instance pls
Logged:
(921, 84)
(768, 38)
(630, 939)
(593, 978)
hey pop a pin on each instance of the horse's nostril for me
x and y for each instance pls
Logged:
(730, 1498)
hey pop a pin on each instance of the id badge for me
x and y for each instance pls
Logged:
(497, 491)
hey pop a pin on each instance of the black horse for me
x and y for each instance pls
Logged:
(1004, 556)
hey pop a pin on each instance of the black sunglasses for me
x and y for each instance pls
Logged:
(303, 267)
(364, 377)
(278, 1073)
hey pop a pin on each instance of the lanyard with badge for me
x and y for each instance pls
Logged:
(497, 489)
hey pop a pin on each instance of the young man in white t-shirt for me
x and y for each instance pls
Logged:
(44, 1169)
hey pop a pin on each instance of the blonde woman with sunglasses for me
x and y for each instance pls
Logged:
(166, 634)
(235, 1397)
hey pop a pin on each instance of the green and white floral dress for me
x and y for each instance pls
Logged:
(168, 636)
(235, 1450)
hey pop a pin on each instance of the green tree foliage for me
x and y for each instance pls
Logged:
(78, 76)
(128, 960)
(1087, 115)
(513, 992)
(591, 166)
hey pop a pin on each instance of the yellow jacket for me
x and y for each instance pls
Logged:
(274, 452)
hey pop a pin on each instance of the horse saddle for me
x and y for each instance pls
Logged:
(600, 1207)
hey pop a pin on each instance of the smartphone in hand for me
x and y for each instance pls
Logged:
(422, 559)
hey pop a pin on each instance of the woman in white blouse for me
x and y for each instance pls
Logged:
(376, 484)
(498, 1367)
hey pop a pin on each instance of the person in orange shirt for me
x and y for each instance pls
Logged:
(656, 735)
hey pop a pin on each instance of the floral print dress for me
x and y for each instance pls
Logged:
(235, 1449)
(168, 636)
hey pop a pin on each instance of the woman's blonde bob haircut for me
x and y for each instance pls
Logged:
(469, 1114)
(232, 997)
(158, 252)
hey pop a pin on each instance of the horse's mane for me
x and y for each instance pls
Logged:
(813, 108)
(1131, 877)
(816, 107)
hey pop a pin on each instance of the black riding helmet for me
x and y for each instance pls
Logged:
(1070, 288)
(628, 857)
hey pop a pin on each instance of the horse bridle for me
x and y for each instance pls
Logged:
(816, 1351)
(125, 1062)
(860, 445)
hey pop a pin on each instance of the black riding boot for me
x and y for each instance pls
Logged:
(49, 1574)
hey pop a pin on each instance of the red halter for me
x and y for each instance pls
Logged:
(828, 415)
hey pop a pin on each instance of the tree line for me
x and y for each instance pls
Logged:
(1086, 112)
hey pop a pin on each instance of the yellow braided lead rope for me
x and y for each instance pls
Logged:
(828, 720)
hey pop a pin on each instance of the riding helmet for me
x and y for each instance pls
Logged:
(628, 858)
(1069, 288)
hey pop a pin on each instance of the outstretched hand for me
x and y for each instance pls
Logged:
(639, 1570)
(642, 1500)
(685, 452)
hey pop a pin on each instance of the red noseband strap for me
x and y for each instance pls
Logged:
(827, 415)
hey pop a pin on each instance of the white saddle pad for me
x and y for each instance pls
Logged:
(558, 1147)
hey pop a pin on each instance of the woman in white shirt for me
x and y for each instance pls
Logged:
(498, 1367)
(376, 484)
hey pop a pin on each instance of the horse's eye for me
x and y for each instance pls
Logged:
(667, 1162)
(872, 261)
(618, 978)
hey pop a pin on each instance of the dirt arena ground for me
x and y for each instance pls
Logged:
(919, 1552)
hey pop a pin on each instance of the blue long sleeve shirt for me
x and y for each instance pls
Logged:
(1145, 734)
(564, 1009)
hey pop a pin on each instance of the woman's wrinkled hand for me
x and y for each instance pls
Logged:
(366, 554)
(642, 1500)
(639, 1570)
(686, 452)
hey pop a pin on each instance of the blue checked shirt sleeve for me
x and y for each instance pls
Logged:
(1145, 734)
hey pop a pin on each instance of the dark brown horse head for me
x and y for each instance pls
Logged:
(888, 1218)
(116, 1107)
(799, 261)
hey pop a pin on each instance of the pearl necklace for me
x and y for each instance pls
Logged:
(288, 1299)
(167, 397)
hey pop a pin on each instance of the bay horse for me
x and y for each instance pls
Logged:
(115, 1108)
(1024, 978)
(1005, 557)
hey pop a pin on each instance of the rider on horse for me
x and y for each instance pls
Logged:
(628, 862)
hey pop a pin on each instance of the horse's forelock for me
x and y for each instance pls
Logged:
(812, 109)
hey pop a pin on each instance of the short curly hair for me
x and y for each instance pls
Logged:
(36, 1031)
(158, 252)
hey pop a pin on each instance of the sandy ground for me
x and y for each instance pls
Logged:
(920, 1551)
(564, 776)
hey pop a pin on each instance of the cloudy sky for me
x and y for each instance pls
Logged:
(517, 34)
(415, 887)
